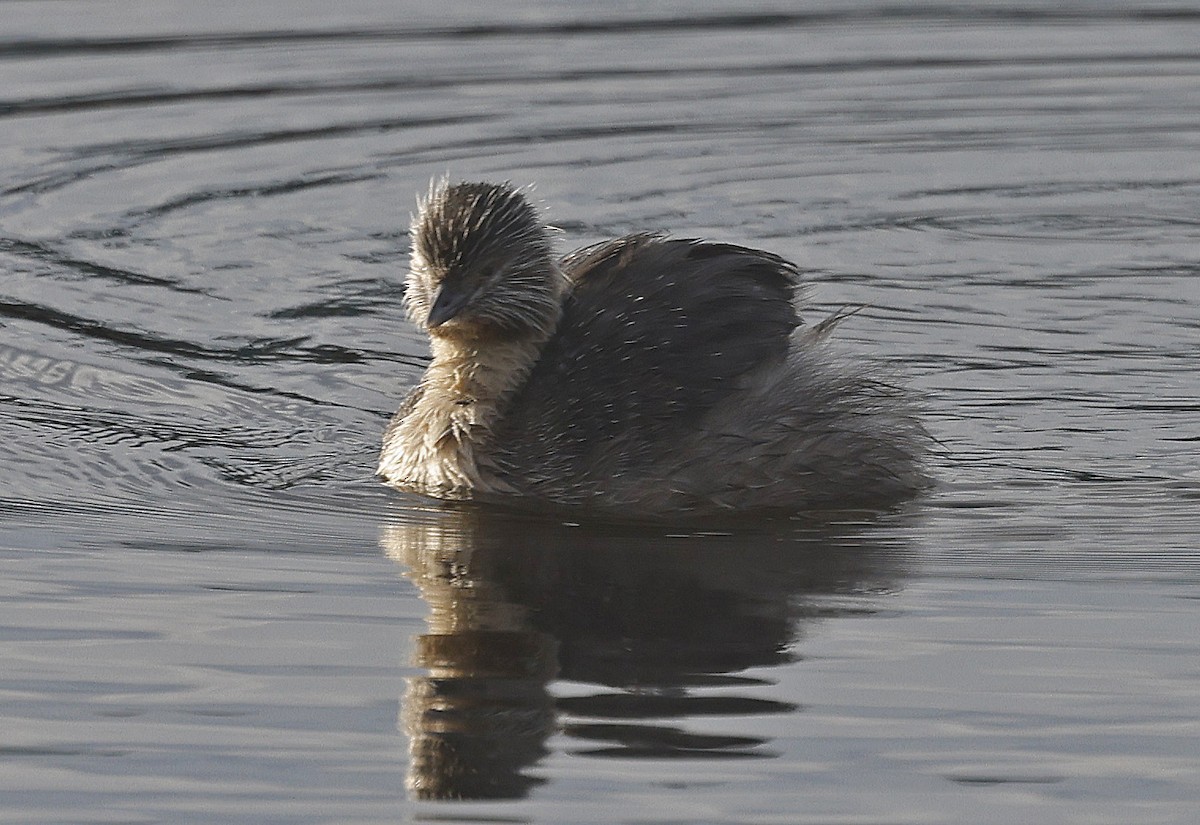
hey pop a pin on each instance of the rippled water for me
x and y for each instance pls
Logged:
(211, 612)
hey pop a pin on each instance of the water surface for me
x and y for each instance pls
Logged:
(212, 612)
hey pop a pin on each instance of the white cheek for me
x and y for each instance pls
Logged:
(416, 261)
(416, 293)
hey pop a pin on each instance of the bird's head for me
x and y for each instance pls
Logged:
(481, 264)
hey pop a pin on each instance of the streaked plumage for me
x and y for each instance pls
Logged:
(649, 374)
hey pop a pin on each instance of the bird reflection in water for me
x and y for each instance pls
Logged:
(668, 625)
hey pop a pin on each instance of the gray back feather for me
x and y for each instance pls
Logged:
(654, 334)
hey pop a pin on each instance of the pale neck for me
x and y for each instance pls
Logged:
(479, 376)
(440, 447)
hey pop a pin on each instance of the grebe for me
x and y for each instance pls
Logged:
(645, 374)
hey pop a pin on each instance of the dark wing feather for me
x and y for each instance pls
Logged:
(654, 334)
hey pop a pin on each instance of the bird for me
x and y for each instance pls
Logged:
(645, 375)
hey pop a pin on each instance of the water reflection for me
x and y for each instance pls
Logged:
(664, 628)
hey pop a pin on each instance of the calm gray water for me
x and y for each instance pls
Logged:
(210, 612)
